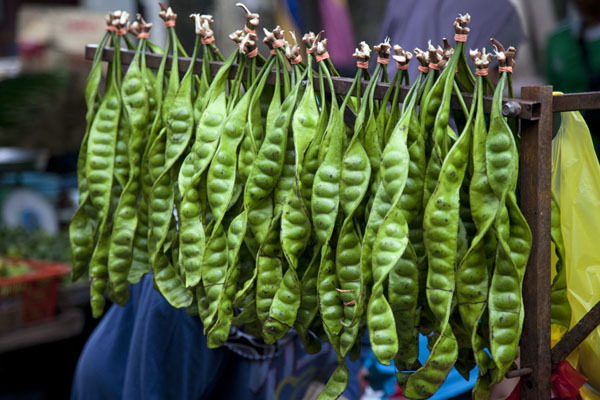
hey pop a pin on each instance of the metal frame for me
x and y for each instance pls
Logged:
(535, 109)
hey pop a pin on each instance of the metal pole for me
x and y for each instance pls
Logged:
(526, 109)
(535, 192)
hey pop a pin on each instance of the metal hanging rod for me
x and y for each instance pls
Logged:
(576, 101)
(523, 109)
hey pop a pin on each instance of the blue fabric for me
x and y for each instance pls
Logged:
(383, 377)
(294, 14)
(149, 350)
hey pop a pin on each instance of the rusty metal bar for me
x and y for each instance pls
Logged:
(516, 373)
(535, 189)
(576, 101)
(529, 110)
(576, 335)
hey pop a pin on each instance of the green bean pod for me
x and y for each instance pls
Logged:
(355, 174)
(384, 114)
(464, 76)
(321, 139)
(218, 333)
(173, 80)
(336, 384)
(254, 130)
(505, 310)
(214, 271)
(440, 221)
(140, 259)
(161, 202)
(412, 195)
(331, 311)
(259, 217)
(269, 269)
(370, 137)
(98, 271)
(155, 158)
(390, 241)
(354, 181)
(98, 264)
(423, 383)
(371, 144)
(304, 123)
(169, 284)
(91, 96)
(125, 222)
(295, 221)
(394, 113)
(505, 300)
(203, 84)
(101, 150)
(295, 227)
(349, 274)
(162, 153)
(192, 236)
(268, 165)
(481, 390)
(330, 302)
(514, 242)
(390, 244)
(222, 169)
(382, 204)
(403, 293)
(221, 180)
(435, 120)
(248, 314)
(499, 145)
(309, 305)
(284, 308)
(320, 190)
(207, 128)
(154, 89)
(83, 223)
(326, 186)
(121, 161)
(82, 231)
(472, 277)
(179, 123)
(121, 166)
(287, 178)
(248, 148)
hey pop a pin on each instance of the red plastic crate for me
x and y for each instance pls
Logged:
(30, 297)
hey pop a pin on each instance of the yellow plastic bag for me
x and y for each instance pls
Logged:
(576, 185)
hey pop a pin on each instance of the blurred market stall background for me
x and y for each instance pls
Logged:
(42, 73)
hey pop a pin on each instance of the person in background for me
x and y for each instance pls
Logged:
(150, 350)
(8, 20)
(573, 58)
(412, 24)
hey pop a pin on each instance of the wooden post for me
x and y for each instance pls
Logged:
(535, 186)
